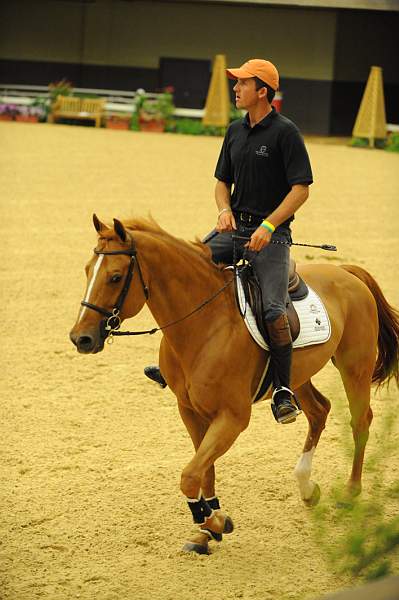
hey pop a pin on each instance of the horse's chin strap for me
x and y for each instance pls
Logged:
(113, 321)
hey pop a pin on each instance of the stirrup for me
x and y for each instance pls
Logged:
(293, 407)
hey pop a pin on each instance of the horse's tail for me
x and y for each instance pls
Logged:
(387, 365)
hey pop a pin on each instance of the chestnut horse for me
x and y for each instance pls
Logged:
(212, 364)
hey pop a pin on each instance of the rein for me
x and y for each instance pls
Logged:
(110, 326)
(155, 329)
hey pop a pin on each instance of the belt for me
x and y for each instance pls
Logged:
(248, 218)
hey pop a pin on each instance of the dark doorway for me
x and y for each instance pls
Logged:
(189, 78)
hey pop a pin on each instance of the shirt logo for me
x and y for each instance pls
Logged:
(262, 151)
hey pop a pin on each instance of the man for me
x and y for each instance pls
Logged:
(264, 157)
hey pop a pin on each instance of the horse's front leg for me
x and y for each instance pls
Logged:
(197, 480)
(197, 428)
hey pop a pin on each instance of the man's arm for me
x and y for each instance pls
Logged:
(226, 221)
(293, 200)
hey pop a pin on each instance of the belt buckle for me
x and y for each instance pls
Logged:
(245, 217)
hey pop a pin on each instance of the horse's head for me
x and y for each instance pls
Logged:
(115, 288)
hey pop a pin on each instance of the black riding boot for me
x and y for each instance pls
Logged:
(284, 404)
(154, 373)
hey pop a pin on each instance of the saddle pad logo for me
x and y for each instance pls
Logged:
(263, 151)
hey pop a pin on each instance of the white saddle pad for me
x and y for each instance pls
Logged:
(313, 317)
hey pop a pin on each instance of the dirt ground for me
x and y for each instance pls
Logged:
(91, 452)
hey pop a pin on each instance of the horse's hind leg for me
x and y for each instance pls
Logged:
(356, 376)
(316, 408)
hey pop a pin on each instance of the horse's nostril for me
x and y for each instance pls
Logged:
(85, 343)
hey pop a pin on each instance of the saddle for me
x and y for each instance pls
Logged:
(297, 290)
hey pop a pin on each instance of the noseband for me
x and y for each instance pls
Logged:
(113, 321)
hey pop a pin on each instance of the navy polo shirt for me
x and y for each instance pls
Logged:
(263, 163)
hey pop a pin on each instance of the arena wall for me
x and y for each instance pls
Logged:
(119, 45)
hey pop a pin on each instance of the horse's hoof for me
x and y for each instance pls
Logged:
(314, 498)
(196, 548)
(228, 525)
(347, 498)
(354, 489)
(212, 535)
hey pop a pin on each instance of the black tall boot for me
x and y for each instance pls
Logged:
(284, 405)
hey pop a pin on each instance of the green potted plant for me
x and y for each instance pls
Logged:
(392, 144)
(8, 112)
(153, 113)
(29, 114)
(59, 88)
(42, 106)
(118, 121)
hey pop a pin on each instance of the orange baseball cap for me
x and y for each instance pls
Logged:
(257, 67)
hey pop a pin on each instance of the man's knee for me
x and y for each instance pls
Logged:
(278, 329)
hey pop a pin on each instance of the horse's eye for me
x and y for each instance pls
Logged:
(115, 278)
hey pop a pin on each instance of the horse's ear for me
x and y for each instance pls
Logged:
(98, 225)
(120, 230)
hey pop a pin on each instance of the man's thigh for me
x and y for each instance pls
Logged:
(221, 245)
(271, 266)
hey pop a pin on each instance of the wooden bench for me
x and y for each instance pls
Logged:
(70, 107)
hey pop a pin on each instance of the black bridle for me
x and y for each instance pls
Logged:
(111, 324)
(109, 327)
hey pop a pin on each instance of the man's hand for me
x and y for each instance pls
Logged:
(259, 239)
(226, 222)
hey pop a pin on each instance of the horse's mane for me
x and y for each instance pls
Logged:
(149, 225)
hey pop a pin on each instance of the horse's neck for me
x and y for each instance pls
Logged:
(180, 280)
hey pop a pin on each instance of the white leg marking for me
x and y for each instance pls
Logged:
(302, 472)
(90, 286)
